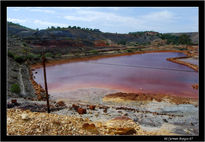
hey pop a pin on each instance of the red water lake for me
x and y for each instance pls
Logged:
(149, 72)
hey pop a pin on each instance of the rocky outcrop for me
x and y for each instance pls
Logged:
(122, 126)
(195, 86)
(60, 103)
(39, 91)
(19, 74)
(90, 127)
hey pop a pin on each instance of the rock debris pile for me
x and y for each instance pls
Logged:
(25, 122)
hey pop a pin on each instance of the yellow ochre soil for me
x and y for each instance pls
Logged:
(145, 98)
(25, 122)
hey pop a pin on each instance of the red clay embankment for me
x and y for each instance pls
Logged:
(175, 60)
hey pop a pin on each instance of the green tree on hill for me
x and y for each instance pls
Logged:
(173, 39)
(122, 42)
(184, 39)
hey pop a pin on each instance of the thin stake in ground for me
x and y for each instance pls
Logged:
(45, 81)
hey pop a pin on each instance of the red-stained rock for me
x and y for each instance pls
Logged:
(195, 86)
(14, 101)
(90, 127)
(103, 107)
(60, 103)
(105, 110)
(75, 107)
(87, 125)
(121, 126)
(92, 107)
(81, 111)
(125, 114)
(39, 97)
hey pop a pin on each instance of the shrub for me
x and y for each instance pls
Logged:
(94, 51)
(19, 59)
(10, 54)
(129, 50)
(173, 39)
(48, 54)
(15, 88)
(182, 49)
(32, 56)
(139, 49)
(122, 42)
(58, 55)
(184, 39)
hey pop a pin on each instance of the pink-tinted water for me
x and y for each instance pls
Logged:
(149, 72)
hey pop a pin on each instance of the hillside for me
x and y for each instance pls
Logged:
(75, 33)
(25, 43)
(88, 36)
(194, 36)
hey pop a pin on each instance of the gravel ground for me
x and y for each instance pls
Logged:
(84, 95)
(25, 122)
(154, 115)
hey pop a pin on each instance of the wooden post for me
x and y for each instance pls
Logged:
(45, 81)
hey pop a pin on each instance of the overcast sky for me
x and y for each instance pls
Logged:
(108, 19)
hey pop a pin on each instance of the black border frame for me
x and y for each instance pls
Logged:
(5, 4)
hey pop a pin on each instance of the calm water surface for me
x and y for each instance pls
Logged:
(149, 72)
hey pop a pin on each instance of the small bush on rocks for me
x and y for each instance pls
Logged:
(58, 55)
(48, 54)
(15, 88)
(10, 54)
(19, 59)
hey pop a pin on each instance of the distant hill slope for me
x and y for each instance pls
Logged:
(86, 36)
(19, 30)
(194, 36)
(75, 34)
